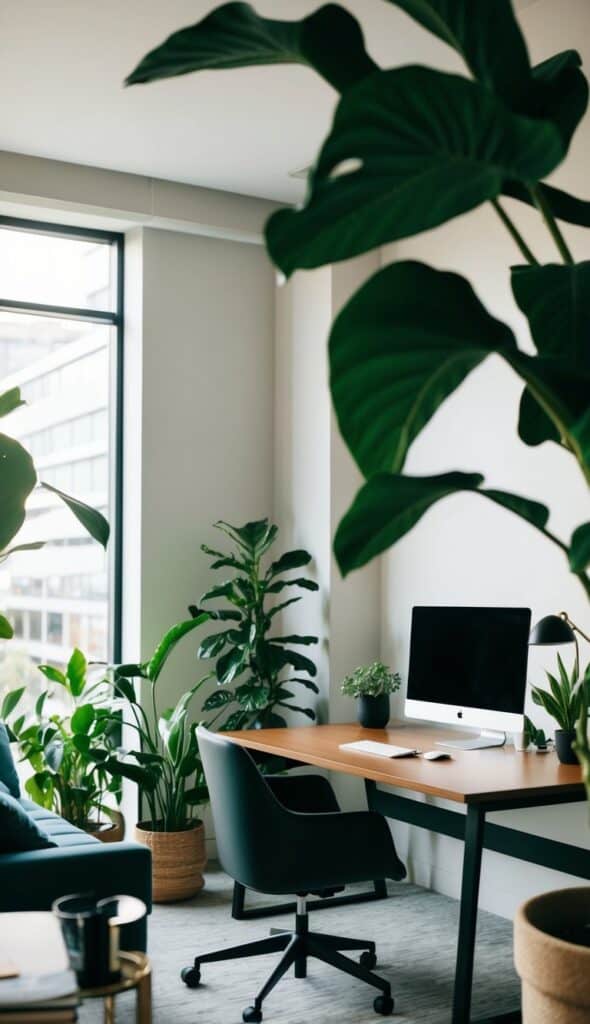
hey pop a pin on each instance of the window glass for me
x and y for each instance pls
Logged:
(58, 597)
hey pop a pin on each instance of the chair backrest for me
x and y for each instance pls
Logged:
(246, 814)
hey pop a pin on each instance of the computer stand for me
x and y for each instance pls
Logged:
(486, 738)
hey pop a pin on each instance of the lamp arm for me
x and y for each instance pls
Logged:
(572, 625)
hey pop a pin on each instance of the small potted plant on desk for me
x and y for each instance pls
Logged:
(372, 685)
(167, 768)
(563, 701)
(65, 747)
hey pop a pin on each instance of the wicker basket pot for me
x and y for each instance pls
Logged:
(178, 859)
(552, 956)
(111, 831)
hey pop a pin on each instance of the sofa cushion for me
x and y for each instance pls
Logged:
(7, 770)
(62, 832)
(18, 830)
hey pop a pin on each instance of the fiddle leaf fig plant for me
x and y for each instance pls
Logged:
(409, 149)
(265, 667)
(18, 478)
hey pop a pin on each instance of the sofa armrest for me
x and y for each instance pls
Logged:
(33, 879)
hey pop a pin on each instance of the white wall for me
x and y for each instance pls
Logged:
(467, 551)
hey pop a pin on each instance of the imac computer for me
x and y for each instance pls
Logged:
(468, 666)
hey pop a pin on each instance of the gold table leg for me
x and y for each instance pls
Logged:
(143, 1000)
(109, 1010)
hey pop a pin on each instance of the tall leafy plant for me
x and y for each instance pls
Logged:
(409, 149)
(165, 761)
(18, 478)
(263, 665)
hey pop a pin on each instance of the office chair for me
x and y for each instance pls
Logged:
(277, 851)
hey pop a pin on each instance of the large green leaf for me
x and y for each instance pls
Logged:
(169, 641)
(409, 149)
(561, 390)
(76, 672)
(233, 36)
(487, 36)
(558, 93)
(556, 301)
(10, 400)
(10, 701)
(290, 560)
(92, 520)
(389, 505)
(83, 718)
(579, 551)
(231, 664)
(6, 630)
(17, 479)
(402, 344)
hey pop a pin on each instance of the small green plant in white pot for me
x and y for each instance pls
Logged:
(372, 685)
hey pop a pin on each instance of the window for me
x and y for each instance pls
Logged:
(61, 343)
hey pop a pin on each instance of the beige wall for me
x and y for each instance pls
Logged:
(467, 551)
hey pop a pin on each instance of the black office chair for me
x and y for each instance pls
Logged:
(277, 851)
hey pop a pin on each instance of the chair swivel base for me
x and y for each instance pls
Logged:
(296, 948)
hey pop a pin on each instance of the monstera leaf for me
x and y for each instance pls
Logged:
(392, 166)
(234, 36)
(389, 505)
(402, 344)
(486, 35)
(579, 552)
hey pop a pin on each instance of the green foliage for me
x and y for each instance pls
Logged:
(567, 697)
(165, 764)
(17, 480)
(371, 681)
(66, 750)
(581, 744)
(411, 148)
(533, 735)
(248, 650)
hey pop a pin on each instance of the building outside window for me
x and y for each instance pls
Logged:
(60, 341)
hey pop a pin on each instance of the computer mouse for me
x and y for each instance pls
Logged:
(436, 755)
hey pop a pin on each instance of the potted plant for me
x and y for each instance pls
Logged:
(372, 685)
(563, 701)
(167, 767)
(246, 650)
(412, 333)
(65, 749)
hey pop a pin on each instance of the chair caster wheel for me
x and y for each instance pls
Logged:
(383, 1005)
(191, 976)
(368, 960)
(251, 1014)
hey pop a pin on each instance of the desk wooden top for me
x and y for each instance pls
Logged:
(494, 775)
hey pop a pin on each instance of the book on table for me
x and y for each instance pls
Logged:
(37, 985)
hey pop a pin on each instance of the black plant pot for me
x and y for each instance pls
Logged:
(563, 745)
(374, 711)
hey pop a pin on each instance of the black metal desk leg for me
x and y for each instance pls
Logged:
(474, 829)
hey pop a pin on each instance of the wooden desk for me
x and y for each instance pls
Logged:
(496, 779)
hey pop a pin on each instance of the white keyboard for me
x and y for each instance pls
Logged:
(378, 749)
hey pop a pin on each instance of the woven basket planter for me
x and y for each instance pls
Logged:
(178, 860)
(552, 959)
(111, 831)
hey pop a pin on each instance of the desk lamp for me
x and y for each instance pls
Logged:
(557, 629)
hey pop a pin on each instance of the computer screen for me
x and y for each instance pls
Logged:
(470, 657)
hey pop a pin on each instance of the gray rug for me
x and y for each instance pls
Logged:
(415, 931)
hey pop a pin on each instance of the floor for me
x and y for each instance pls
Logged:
(415, 931)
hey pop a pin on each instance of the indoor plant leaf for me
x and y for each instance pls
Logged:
(555, 299)
(389, 505)
(10, 701)
(579, 550)
(402, 344)
(290, 560)
(558, 93)
(218, 699)
(211, 646)
(76, 672)
(169, 642)
(53, 674)
(562, 205)
(301, 581)
(10, 400)
(17, 480)
(92, 520)
(233, 36)
(303, 640)
(280, 656)
(231, 665)
(83, 718)
(6, 630)
(389, 142)
(486, 35)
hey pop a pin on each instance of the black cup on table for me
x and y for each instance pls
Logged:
(86, 933)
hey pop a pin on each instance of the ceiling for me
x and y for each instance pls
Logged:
(61, 70)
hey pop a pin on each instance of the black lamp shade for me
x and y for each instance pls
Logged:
(551, 630)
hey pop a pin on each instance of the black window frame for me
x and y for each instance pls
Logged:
(115, 319)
